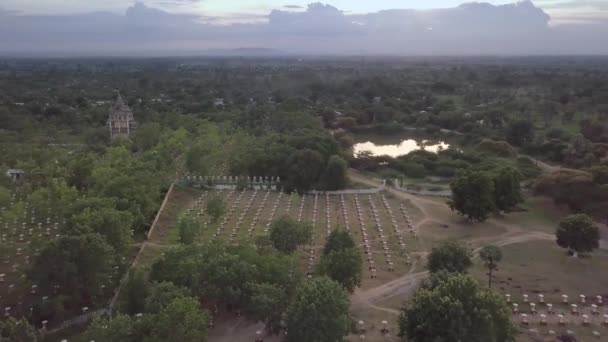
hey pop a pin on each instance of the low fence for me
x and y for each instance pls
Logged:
(229, 182)
(77, 321)
(160, 210)
(350, 191)
(441, 193)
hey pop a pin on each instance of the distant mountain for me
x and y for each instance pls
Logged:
(244, 52)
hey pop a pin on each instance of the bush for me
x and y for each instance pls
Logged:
(414, 170)
(497, 148)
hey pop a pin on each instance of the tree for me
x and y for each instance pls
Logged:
(491, 256)
(189, 229)
(451, 257)
(334, 176)
(216, 207)
(287, 234)
(17, 330)
(303, 170)
(338, 240)
(133, 294)
(520, 132)
(162, 294)
(341, 260)
(78, 265)
(147, 135)
(343, 266)
(268, 304)
(578, 234)
(507, 188)
(113, 224)
(181, 320)
(472, 194)
(456, 309)
(319, 312)
(119, 328)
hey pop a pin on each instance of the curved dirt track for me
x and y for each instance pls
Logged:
(407, 284)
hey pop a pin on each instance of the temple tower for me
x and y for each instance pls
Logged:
(121, 121)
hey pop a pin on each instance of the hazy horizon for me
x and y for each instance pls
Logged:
(574, 27)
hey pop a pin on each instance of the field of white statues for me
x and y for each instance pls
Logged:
(382, 226)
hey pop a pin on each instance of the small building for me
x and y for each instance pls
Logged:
(120, 120)
(219, 102)
(15, 174)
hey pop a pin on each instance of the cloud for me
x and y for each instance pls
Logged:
(293, 7)
(4, 12)
(318, 19)
(469, 29)
(576, 4)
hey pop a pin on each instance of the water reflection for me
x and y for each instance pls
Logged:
(403, 148)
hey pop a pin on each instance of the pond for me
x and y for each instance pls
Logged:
(405, 146)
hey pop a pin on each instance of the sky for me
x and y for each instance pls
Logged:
(400, 27)
(560, 10)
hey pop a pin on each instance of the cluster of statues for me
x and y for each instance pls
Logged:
(233, 180)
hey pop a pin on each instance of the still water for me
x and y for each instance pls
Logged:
(403, 148)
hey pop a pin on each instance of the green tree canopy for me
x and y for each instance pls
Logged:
(304, 168)
(520, 132)
(216, 207)
(268, 304)
(78, 265)
(189, 229)
(334, 176)
(338, 240)
(451, 257)
(133, 294)
(507, 189)
(17, 330)
(113, 224)
(343, 266)
(578, 233)
(119, 328)
(287, 234)
(181, 320)
(161, 294)
(472, 194)
(319, 312)
(456, 309)
(341, 260)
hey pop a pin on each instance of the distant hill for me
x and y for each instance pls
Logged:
(244, 52)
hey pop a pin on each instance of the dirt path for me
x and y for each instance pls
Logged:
(408, 283)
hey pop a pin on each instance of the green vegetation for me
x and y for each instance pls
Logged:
(456, 308)
(182, 319)
(12, 329)
(286, 234)
(473, 195)
(341, 260)
(578, 233)
(476, 194)
(319, 312)
(216, 208)
(450, 257)
(510, 126)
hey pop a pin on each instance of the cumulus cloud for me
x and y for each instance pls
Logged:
(469, 29)
(318, 19)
